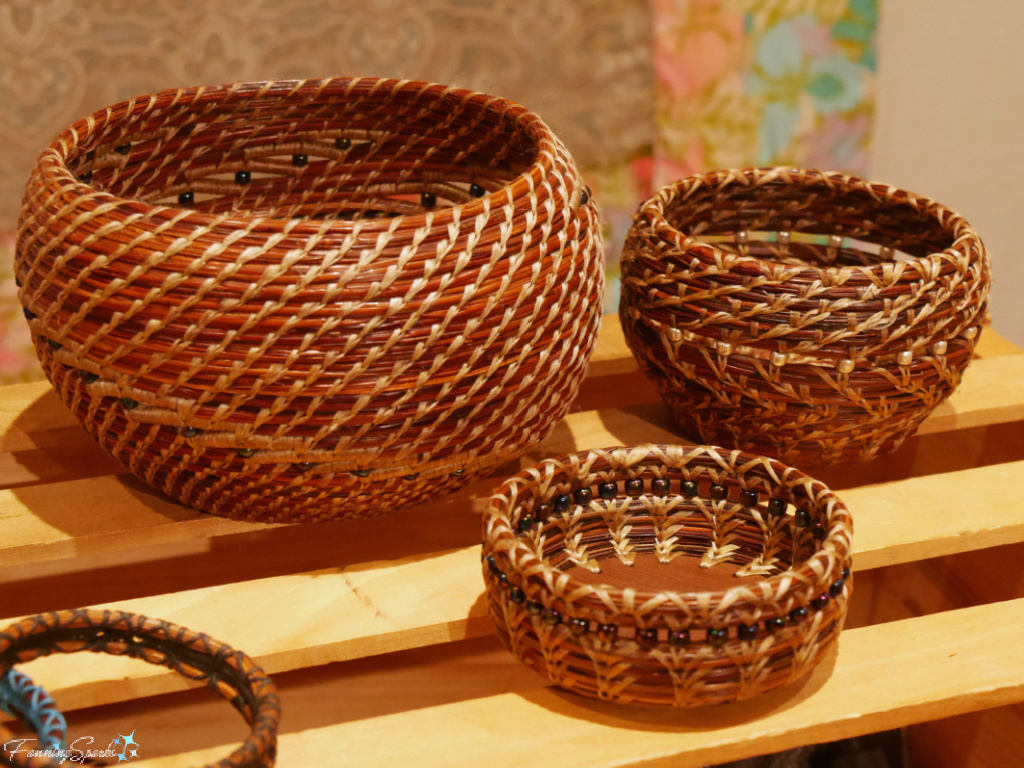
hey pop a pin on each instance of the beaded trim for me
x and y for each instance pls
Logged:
(789, 534)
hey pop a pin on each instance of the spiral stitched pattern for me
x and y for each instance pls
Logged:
(311, 300)
(811, 316)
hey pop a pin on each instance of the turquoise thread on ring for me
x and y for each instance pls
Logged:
(21, 698)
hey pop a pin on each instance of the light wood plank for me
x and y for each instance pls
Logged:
(992, 392)
(926, 517)
(58, 519)
(612, 355)
(32, 419)
(992, 344)
(372, 610)
(941, 665)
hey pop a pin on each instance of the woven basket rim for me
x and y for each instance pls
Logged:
(830, 554)
(52, 162)
(652, 212)
(39, 635)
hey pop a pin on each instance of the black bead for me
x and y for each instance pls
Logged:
(746, 631)
(798, 614)
(647, 638)
(29, 314)
(777, 507)
(123, 149)
(659, 486)
(634, 486)
(190, 432)
(533, 606)
(719, 492)
(458, 472)
(585, 196)
(245, 453)
(492, 565)
(818, 530)
(679, 638)
(579, 626)
(845, 574)
(748, 498)
(88, 376)
(526, 522)
(562, 502)
(689, 488)
(476, 190)
(544, 510)
(802, 518)
(129, 404)
(516, 595)
(300, 160)
(86, 177)
(608, 491)
(54, 345)
(717, 637)
(186, 199)
(304, 466)
(242, 177)
(342, 143)
(361, 472)
(775, 624)
(551, 616)
(836, 589)
(428, 199)
(411, 477)
(819, 602)
(607, 632)
(583, 496)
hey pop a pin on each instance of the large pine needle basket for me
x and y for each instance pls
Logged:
(311, 300)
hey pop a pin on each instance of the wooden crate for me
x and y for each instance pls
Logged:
(376, 631)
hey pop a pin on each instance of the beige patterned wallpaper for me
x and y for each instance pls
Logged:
(584, 65)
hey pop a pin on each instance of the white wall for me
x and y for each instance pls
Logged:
(950, 124)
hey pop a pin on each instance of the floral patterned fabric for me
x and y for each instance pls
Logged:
(642, 91)
(748, 82)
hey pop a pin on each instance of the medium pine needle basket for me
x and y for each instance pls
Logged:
(311, 300)
(811, 316)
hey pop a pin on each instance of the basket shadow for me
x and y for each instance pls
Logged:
(74, 508)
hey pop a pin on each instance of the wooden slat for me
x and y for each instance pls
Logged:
(32, 418)
(58, 520)
(373, 613)
(992, 392)
(945, 664)
(991, 344)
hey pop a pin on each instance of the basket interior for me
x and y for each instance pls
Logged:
(667, 535)
(805, 225)
(329, 157)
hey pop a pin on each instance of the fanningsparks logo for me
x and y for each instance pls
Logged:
(123, 747)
